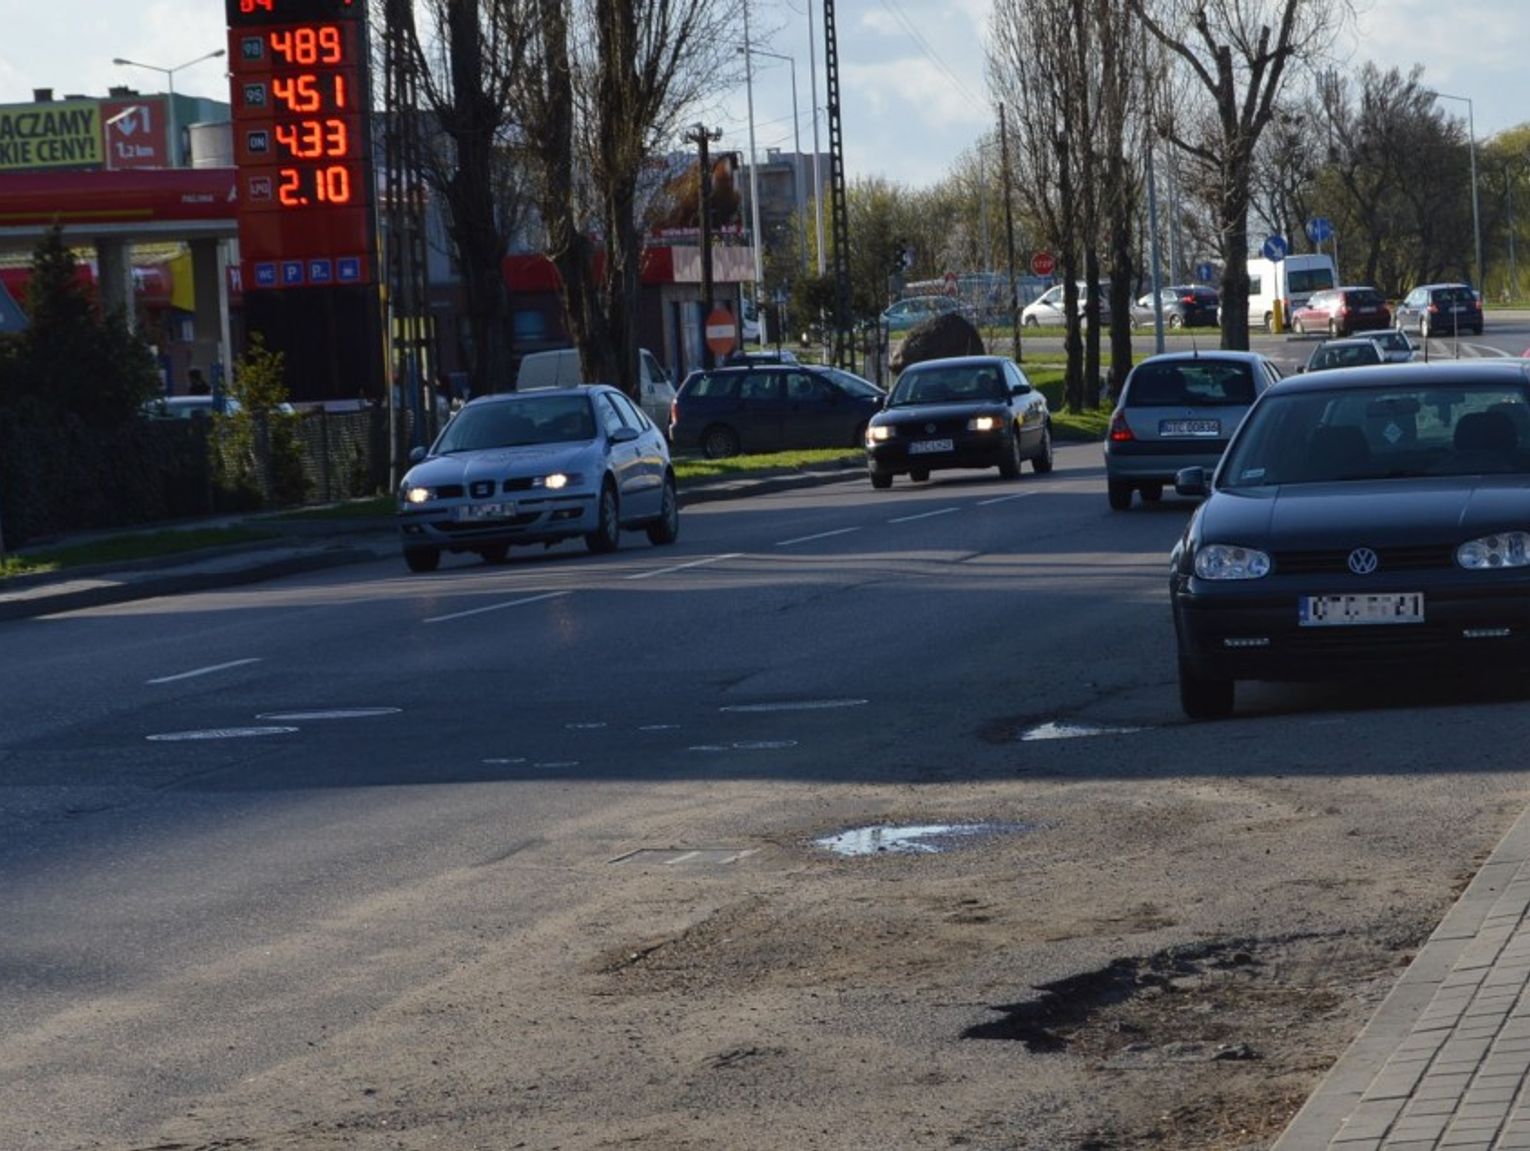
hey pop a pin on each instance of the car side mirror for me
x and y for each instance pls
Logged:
(1191, 482)
(1020, 389)
(624, 435)
(416, 455)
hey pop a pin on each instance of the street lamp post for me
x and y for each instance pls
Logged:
(169, 74)
(1471, 131)
(797, 179)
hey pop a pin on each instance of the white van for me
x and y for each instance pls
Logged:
(1292, 281)
(560, 369)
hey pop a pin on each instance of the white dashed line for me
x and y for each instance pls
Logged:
(924, 515)
(819, 536)
(683, 567)
(1002, 499)
(204, 670)
(496, 607)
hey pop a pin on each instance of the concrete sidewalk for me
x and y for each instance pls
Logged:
(1445, 1060)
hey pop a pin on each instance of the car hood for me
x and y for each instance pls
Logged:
(918, 413)
(1384, 513)
(498, 463)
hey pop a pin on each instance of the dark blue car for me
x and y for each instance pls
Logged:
(770, 408)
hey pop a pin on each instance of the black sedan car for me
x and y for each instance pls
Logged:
(962, 412)
(771, 407)
(1361, 520)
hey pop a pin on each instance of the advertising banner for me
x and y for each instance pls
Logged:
(58, 134)
(136, 130)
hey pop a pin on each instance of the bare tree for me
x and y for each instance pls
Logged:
(466, 64)
(1240, 61)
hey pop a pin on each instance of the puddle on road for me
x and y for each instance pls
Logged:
(1071, 731)
(914, 839)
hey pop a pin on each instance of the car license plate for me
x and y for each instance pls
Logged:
(925, 447)
(485, 511)
(1211, 428)
(1349, 610)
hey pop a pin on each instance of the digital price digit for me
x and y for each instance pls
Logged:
(248, 6)
(307, 44)
(307, 92)
(300, 187)
(312, 139)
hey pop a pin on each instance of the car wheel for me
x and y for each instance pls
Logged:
(1202, 697)
(1176, 321)
(919, 475)
(1269, 321)
(422, 559)
(1120, 494)
(1031, 322)
(1333, 329)
(607, 536)
(860, 435)
(881, 480)
(1423, 327)
(666, 529)
(497, 554)
(718, 441)
(1041, 462)
(1009, 463)
(1298, 327)
(1152, 493)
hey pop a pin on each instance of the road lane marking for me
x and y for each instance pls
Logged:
(205, 670)
(683, 567)
(1002, 499)
(923, 515)
(795, 705)
(496, 607)
(819, 536)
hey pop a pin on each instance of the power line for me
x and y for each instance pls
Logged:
(924, 46)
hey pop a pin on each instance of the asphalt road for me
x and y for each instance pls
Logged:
(235, 826)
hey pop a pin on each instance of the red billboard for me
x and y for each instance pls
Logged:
(136, 130)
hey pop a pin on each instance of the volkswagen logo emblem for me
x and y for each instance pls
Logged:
(929, 429)
(1363, 561)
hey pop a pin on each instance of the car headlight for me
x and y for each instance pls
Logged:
(985, 423)
(416, 495)
(557, 481)
(878, 433)
(1225, 561)
(1504, 550)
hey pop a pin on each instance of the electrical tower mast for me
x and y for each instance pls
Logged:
(844, 353)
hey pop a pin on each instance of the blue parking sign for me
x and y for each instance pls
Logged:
(292, 273)
(320, 272)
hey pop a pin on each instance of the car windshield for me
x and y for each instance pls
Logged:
(854, 384)
(1368, 433)
(515, 423)
(1198, 382)
(950, 384)
(1344, 356)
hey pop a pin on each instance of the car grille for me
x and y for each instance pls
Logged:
(1336, 561)
(480, 488)
(449, 492)
(521, 484)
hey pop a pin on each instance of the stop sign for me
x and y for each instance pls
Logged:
(1042, 263)
(722, 331)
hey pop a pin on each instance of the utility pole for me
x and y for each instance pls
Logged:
(813, 106)
(844, 349)
(1009, 233)
(701, 136)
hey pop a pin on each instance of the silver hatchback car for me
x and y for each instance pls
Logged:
(1178, 410)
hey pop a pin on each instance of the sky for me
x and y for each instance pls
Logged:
(914, 97)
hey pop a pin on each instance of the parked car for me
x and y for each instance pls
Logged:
(185, 407)
(961, 412)
(1047, 308)
(1350, 352)
(538, 467)
(1360, 521)
(771, 407)
(905, 314)
(1342, 312)
(1184, 306)
(1440, 310)
(737, 357)
(1177, 410)
(1395, 346)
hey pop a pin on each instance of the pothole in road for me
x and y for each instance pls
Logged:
(1071, 731)
(1138, 990)
(219, 733)
(914, 839)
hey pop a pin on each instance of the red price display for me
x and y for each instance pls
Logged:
(307, 45)
(314, 139)
(311, 92)
(300, 187)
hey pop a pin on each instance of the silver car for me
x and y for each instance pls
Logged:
(549, 465)
(1178, 410)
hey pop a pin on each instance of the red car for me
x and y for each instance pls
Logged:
(1342, 312)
